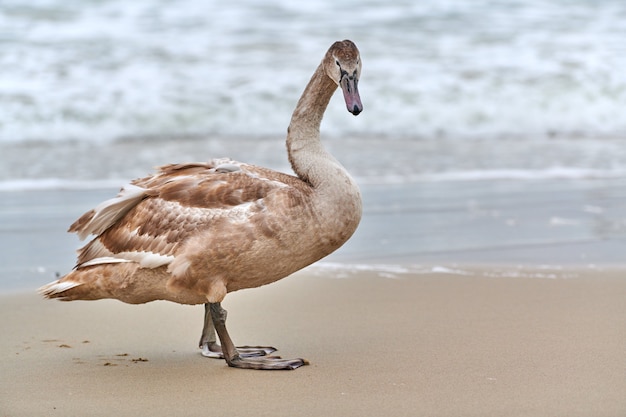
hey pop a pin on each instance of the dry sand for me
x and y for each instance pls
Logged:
(414, 345)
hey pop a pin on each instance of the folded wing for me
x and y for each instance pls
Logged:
(151, 217)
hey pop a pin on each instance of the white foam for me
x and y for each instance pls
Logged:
(341, 270)
(552, 173)
(550, 80)
(97, 71)
(347, 270)
(36, 184)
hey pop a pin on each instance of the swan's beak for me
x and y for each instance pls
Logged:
(351, 93)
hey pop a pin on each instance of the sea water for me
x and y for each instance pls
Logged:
(493, 130)
(92, 91)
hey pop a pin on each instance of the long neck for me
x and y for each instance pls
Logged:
(307, 156)
(336, 198)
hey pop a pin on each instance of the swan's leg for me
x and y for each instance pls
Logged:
(210, 348)
(232, 356)
(208, 341)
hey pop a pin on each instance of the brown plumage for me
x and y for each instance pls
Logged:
(193, 232)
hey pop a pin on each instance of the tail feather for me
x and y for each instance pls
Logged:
(107, 280)
(57, 288)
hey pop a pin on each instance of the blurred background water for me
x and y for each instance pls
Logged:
(493, 130)
(94, 90)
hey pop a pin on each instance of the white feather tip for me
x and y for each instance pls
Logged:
(52, 289)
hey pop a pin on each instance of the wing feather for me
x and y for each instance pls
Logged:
(108, 212)
(151, 218)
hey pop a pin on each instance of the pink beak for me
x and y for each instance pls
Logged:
(351, 93)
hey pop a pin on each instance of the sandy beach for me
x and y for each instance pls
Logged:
(470, 343)
(396, 323)
(487, 276)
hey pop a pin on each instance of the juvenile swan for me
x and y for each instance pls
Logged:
(193, 232)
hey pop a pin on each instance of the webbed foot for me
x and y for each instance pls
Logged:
(213, 350)
(269, 363)
(234, 357)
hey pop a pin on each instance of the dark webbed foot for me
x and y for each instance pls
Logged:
(266, 363)
(210, 348)
(213, 350)
(233, 356)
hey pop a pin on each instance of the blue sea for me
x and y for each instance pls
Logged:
(92, 90)
(500, 122)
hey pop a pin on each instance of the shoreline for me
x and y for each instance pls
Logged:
(436, 343)
(569, 223)
(484, 298)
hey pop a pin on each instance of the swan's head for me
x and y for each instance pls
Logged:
(343, 65)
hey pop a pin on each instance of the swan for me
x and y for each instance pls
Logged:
(193, 232)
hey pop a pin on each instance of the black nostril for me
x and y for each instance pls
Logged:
(355, 110)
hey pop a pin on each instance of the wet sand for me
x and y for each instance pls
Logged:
(394, 344)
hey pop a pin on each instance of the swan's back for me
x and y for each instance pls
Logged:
(157, 214)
